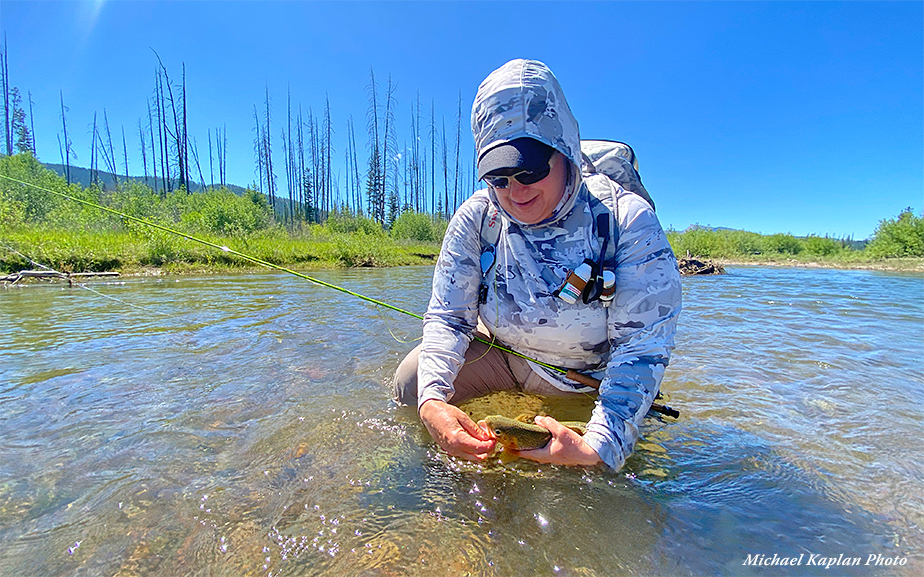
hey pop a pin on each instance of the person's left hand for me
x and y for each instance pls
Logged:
(565, 448)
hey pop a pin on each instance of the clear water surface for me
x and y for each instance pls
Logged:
(243, 425)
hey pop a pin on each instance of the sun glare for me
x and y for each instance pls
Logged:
(94, 9)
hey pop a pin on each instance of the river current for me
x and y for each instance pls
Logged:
(243, 425)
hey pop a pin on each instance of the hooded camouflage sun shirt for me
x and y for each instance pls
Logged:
(627, 344)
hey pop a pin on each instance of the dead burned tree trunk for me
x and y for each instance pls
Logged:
(455, 193)
(223, 156)
(159, 105)
(268, 157)
(258, 149)
(374, 193)
(185, 150)
(433, 156)
(93, 159)
(389, 144)
(179, 124)
(5, 85)
(445, 174)
(144, 152)
(109, 153)
(67, 142)
(357, 181)
(125, 153)
(328, 153)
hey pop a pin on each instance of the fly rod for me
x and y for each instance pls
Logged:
(569, 373)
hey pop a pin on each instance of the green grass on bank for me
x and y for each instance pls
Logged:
(897, 244)
(72, 237)
(128, 252)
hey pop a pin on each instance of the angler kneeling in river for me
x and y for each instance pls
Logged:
(512, 270)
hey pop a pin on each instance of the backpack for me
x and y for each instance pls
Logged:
(614, 160)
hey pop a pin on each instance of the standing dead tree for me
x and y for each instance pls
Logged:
(221, 143)
(178, 134)
(163, 155)
(194, 149)
(288, 151)
(301, 176)
(433, 202)
(108, 151)
(455, 190)
(445, 200)
(317, 176)
(356, 180)
(258, 149)
(329, 202)
(144, 151)
(389, 147)
(66, 146)
(153, 146)
(93, 160)
(211, 160)
(414, 177)
(268, 156)
(374, 189)
(125, 153)
(5, 87)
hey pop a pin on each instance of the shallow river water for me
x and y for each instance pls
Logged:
(243, 425)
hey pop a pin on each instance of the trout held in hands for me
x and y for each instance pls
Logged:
(516, 435)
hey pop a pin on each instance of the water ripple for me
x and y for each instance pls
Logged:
(249, 430)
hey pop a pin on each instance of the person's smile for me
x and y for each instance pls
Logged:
(533, 203)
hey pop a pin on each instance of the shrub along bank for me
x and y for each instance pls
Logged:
(70, 236)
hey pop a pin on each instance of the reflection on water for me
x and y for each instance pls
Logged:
(242, 425)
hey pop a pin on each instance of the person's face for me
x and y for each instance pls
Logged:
(532, 203)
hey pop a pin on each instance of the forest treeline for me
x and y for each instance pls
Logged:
(71, 236)
(422, 171)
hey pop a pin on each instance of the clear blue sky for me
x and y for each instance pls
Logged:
(801, 117)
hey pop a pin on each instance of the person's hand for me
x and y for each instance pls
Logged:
(565, 448)
(455, 432)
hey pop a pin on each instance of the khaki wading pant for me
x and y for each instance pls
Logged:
(486, 370)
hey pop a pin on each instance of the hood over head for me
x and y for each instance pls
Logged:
(521, 99)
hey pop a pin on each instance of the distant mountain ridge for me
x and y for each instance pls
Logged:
(853, 244)
(81, 176)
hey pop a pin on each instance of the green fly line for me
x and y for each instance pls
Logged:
(264, 263)
(83, 286)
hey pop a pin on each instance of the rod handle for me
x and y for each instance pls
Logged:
(589, 381)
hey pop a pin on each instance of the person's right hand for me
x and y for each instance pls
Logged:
(455, 432)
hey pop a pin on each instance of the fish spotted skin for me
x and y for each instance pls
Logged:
(516, 435)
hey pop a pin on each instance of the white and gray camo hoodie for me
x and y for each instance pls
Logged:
(627, 344)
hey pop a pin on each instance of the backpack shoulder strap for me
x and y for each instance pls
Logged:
(490, 233)
(604, 208)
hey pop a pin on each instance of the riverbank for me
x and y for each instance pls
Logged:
(85, 253)
(140, 251)
(894, 265)
(890, 264)
(153, 253)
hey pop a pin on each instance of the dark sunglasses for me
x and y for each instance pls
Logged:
(523, 177)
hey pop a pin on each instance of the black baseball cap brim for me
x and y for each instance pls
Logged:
(513, 156)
